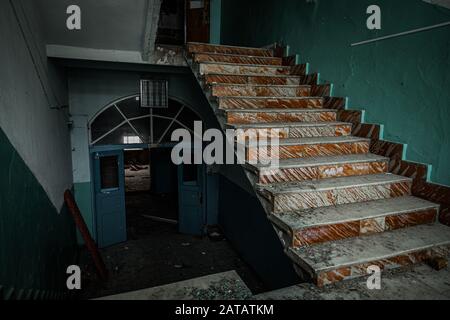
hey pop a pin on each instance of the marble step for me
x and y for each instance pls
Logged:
(196, 47)
(288, 197)
(230, 90)
(318, 225)
(257, 151)
(335, 261)
(239, 59)
(244, 116)
(292, 129)
(270, 102)
(291, 170)
(226, 78)
(242, 69)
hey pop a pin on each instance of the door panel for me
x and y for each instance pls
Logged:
(197, 21)
(191, 204)
(109, 197)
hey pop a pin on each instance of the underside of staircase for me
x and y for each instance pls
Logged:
(335, 206)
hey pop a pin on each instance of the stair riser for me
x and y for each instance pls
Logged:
(311, 236)
(248, 91)
(321, 172)
(300, 132)
(204, 57)
(255, 117)
(246, 70)
(306, 151)
(261, 103)
(251, 80)
(298, 201)
(204, 48)
(360, 270)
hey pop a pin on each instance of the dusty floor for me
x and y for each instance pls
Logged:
(156, 254)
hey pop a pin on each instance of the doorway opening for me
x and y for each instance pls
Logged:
(151, 214)
(182, 21)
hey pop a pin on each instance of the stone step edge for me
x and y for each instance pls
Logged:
(346, 159)
(243, 65)
(228, 46)
(235, 55)
(390, 179)
(280, 223)
(291, 252)
(284, 125)
(309, 141)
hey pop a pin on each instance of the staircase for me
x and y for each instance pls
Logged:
(334, 205)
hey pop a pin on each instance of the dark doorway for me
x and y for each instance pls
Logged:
(197, 20)
(171, 27)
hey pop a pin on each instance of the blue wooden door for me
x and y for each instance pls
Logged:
(109, 198)
(191, 199)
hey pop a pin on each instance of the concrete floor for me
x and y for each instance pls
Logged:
(221, 286)
(419, 282)
(156, 254)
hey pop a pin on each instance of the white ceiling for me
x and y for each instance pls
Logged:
(105, 24)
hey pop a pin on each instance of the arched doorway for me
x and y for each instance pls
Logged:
(134, 178)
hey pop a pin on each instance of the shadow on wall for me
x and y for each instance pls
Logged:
(246, 226)
(37, 242)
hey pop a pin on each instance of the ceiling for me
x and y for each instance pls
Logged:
(105, 24)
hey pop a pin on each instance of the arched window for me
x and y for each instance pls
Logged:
(126, 122)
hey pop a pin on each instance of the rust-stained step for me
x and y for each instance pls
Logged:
(323, 167)
(292, 129)
(261, 150)
(239, 59)
(292, 196)
(318, 225)
(242, 69)
(340, 260)
(223, 90)
(270, 102)
(196, 47)
(243, 116)
(226, 78)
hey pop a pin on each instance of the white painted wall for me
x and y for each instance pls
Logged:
(39, 134)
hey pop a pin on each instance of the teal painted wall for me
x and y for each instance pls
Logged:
(37, 235)
(37, 242)
(403, 83)
(216, 16)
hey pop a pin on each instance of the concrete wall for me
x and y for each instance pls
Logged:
(37, 235)
(402, 83)
(39, 134)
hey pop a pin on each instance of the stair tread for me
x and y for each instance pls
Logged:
(285, 124)
(309, 218)
(323, 161)
(224, 74)
(269, 98)
(261, 85)
(352, 251)
(244, 65)
(312, 141)
(235, 55)
(280, 110)
(227, 46)
(333, 183)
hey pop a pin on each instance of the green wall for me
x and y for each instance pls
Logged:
(37, 242)
(402, 83)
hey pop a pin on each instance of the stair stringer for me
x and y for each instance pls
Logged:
(249, 184)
